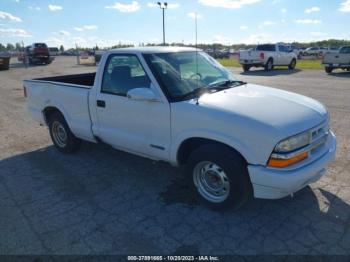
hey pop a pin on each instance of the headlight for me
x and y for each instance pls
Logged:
(286, 154)
(293, 143)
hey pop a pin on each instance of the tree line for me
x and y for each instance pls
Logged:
(17, 47)
(324, 43)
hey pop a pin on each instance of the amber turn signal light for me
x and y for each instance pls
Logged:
(281, 162)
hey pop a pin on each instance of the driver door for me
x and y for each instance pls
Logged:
(141, 127)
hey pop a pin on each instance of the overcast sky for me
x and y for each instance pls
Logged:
(108, 22)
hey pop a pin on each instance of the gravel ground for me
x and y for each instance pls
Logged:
(103, 201)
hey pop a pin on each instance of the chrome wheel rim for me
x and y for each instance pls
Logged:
(59, 134)
(211, 181)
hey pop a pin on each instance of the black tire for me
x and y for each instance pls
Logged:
(246, 68)
(328, 70)
(235, 169)
(69, 145)
(292, 64)
(269, 65)
(348, 69)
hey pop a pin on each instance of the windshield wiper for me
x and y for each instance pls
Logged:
(227, 84)
(197, 93)
(211, 89)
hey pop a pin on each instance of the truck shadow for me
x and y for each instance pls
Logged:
(344, 74)
(21, 65)
(275, 72)
(149, 208)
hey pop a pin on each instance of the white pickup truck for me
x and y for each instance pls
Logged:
(179, 105)
(340, 59)
(268, 56)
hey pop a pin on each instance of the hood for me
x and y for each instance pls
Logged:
(287, 112)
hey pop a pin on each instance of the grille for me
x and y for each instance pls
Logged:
(319, 137)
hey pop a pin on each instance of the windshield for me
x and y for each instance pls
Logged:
(183, 73)
(40, 45)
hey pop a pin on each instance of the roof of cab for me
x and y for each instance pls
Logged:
(153, 49)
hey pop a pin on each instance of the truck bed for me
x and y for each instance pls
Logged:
(78, 80)
(69, 94)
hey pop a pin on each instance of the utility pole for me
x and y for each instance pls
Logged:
(163, 6)
(78, 53)
(25, 57)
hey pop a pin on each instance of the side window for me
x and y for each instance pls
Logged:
(345, 50)
(123, 73)
(282, 48)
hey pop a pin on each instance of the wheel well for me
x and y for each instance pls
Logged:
(191, 144)
(49, 111)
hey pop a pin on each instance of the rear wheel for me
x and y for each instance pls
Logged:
(246, 68)
(328, 70)
(61, 135)
(220, 176)
(292, 64)
(269, 65)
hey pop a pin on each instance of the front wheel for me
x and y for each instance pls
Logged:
(292, 64)
(220, 176)
(61, 135)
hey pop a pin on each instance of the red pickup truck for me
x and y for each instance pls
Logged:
(38, 53)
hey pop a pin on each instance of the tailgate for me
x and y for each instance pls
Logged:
(249, 57)
(41, 51)
(331, 58)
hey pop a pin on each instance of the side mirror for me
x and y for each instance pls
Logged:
(142, 94)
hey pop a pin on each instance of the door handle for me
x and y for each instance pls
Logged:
(101, 103)
(336, 56)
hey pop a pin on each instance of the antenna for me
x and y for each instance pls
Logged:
(196, 25)
(196, 29)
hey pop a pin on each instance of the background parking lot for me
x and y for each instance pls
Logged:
(103, 201)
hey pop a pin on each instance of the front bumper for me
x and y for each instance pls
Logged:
(272, 183)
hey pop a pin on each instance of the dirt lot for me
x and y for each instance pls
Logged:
(102, 201)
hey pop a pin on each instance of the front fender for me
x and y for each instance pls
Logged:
(230, 141)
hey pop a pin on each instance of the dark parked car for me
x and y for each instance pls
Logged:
(4, 61)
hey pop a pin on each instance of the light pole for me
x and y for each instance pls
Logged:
(163, 6)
